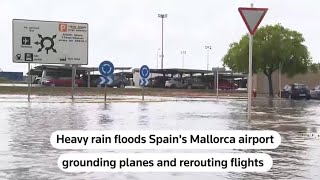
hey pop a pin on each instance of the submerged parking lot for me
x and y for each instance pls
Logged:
(25, 129)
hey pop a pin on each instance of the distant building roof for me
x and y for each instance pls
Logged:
(80, 69)
(177, 71)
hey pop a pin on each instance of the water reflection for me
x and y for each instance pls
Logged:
(104, 117)
(30, 128)
(29, 155)
(143, 114)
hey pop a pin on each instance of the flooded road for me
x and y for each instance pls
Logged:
(25, 129)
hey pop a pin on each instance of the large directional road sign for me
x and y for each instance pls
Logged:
(144, 74)
(49, 42)
(106, 68)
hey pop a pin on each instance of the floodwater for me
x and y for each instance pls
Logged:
(25, 129)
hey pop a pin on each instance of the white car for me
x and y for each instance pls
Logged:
(174, 83)
(315, 93)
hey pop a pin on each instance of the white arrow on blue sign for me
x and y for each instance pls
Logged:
(105, 80)
(143, 82)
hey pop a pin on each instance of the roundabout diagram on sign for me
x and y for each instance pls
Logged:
(144, 71)
(106, 68)
(47, 46)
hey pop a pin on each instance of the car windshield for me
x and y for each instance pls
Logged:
(300, 86)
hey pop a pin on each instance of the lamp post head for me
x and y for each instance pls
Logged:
(162, 15)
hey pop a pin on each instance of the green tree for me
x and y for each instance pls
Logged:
(314, 68)
(273, 46)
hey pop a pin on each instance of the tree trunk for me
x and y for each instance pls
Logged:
(270, 84)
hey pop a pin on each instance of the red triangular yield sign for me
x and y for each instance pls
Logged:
(252, 17)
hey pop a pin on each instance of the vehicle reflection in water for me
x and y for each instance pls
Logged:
(26, 152)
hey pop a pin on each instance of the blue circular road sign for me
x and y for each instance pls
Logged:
(144, 71)
(106, 68)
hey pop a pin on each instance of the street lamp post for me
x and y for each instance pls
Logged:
(162, 16)
(183, 53)
(208, 48)
(158, 58)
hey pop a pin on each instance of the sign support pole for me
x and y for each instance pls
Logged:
(105, 94)
(29, 81)
(73, 81)
(250, 74)
(250, 77)
(89, 78)
(217, 84)
(143, 93)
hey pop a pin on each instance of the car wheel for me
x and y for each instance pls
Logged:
(173, 86)
(76, 85)
(121, 85)
(52, 85)
(308, 97)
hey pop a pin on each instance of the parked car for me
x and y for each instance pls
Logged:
(175, 83)
(64, 82)
(37, 80)
(195, 83)
(315, 93)
(224, 84)
(158, 82)
(296, 91)
(227, 85)
(187, 82)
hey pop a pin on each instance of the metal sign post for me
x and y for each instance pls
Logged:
(144, 74)
(105, 93)
(73, 81)
(89, 85)
(250, 77)
(29, 82)
(217, 70)
(106, 69)
(142, 93)
(217, 84)
(252, 18)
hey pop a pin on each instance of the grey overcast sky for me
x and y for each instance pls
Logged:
(128, 32)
